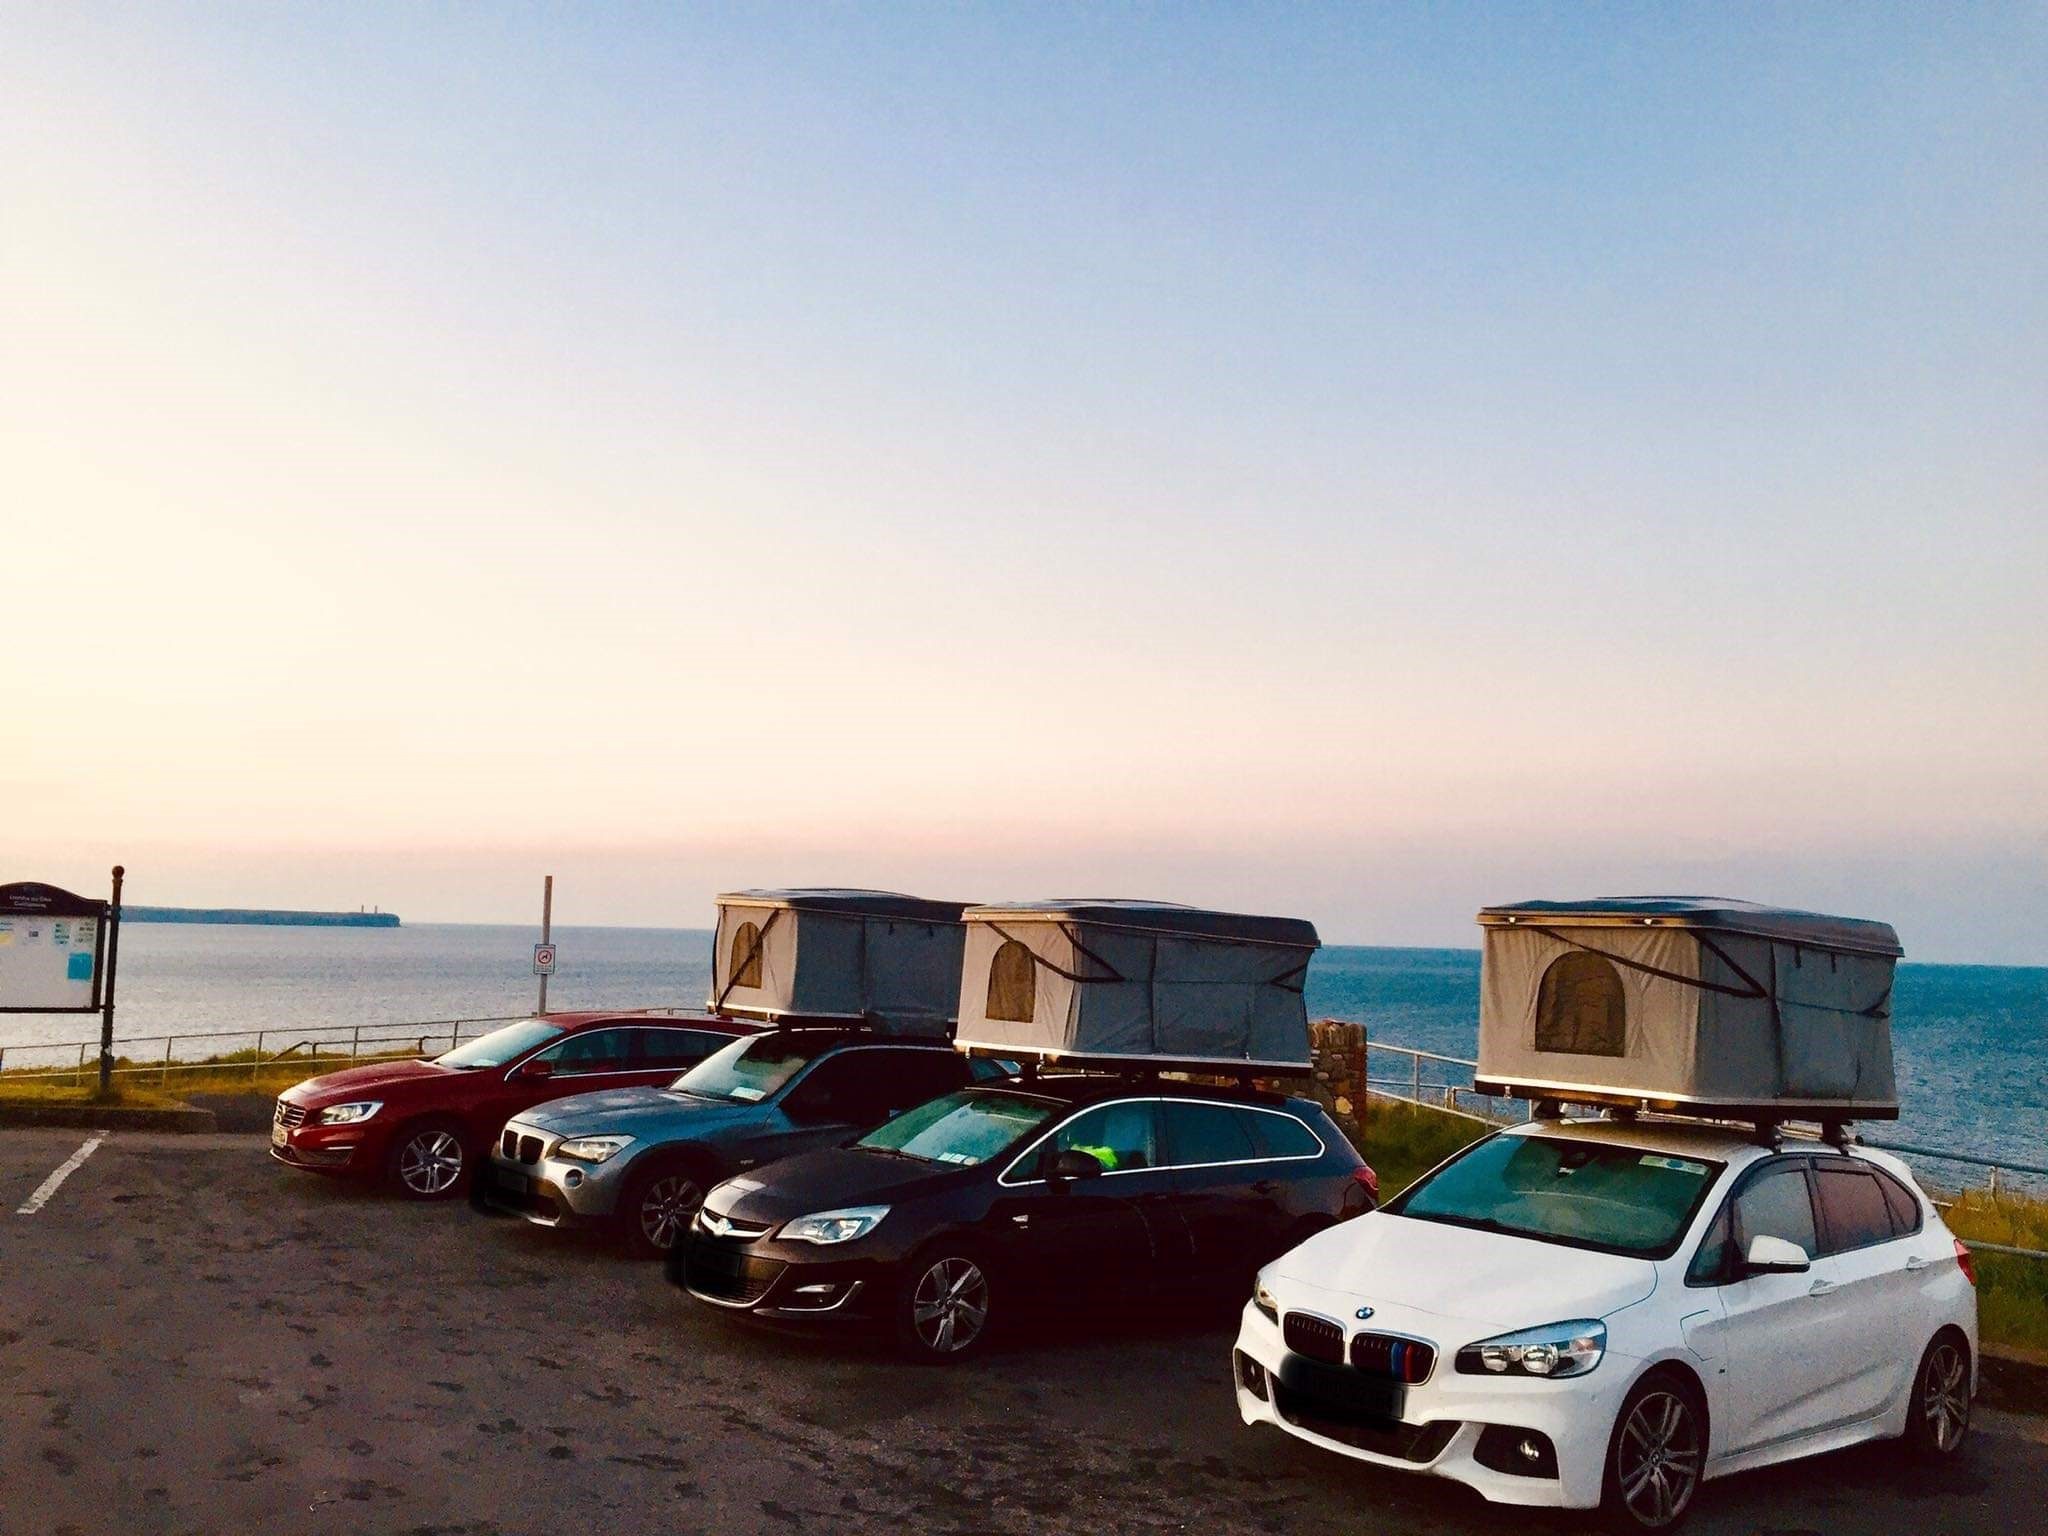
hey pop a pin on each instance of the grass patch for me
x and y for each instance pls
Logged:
(2012, 1292)
(1404, 1141)
(234, 1072)
(66, 1092)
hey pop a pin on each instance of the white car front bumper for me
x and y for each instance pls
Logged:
(1442, 1431)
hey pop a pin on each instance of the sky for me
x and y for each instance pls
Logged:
(1352, 462)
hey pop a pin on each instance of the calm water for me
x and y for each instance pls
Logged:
(1971, 1041)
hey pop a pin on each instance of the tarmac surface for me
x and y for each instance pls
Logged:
(195, 1340)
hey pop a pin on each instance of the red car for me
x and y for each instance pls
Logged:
(422, 1125)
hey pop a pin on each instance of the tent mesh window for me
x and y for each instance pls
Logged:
(746, 956)
(1012, 987)
(1580, 1008)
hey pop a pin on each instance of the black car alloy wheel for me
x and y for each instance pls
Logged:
(948, 1304)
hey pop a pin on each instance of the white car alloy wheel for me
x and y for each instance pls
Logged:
(666, 1208)
(430, 1162)
(949, 1307)
(1944, 1396)
(1657, 1457)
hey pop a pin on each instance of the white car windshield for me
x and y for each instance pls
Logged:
(964, 1129)
(500, 1045)
(1584, 1194)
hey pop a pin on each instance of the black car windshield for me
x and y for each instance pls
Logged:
(752, 1067)
(962, 1128)
(1584, 1194)
(500, 1045)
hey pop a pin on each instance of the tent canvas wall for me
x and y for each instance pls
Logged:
(1716, 1006)
(891, 960)
(1136, 981)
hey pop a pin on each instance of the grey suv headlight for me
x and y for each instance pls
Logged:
(593, 1149)
(1555, 1350)
(348, 1114)
(835, 1226)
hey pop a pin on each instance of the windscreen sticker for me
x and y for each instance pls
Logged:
(1675, 1164)
(749, 1094)
(955, 1157)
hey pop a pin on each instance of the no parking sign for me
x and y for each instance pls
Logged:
(543, 959)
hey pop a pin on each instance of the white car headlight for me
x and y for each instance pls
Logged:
(835, 1226)
(593, 1149)
(1554, 1350)
(348, 1114)
(1264, 1299)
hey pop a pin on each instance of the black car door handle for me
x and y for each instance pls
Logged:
(1262, 1187)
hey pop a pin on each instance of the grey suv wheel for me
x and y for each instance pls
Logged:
(658, 1208)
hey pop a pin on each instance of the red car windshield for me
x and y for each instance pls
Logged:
(500, 1045)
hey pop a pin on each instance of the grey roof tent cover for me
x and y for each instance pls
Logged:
(1689, 1003)
(1136, 981)
(892, 961)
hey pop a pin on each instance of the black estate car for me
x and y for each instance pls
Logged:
(1025, 1193)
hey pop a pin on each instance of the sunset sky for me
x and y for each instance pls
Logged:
(1354, 462)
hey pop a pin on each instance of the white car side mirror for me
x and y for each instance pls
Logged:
(1775, 1256)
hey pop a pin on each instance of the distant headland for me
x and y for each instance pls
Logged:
(251, 915)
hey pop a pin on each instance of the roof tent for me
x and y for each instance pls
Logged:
(1136, 981)
(1689, 1004)
(835, 956)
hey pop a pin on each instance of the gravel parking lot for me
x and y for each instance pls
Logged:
(194, 1340)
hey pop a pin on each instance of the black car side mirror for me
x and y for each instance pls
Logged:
(1072, 1165)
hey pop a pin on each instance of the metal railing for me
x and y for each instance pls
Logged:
(1430, 1079)
(78, 1059)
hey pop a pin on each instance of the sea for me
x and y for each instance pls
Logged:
(1970, 1041)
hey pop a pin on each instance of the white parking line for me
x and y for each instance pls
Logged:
(64, 1170)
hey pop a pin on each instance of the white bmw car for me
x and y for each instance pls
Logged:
(1606, 1313)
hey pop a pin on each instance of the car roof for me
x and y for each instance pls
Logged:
(1733, 1145)
(569, 1023)
(843, 1037)
(1079, 1088)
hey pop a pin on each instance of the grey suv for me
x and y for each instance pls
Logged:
(639, 1159)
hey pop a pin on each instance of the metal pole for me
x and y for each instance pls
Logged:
(113, 968)
(547, 916)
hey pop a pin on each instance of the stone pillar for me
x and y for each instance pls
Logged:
(1337, 1049)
